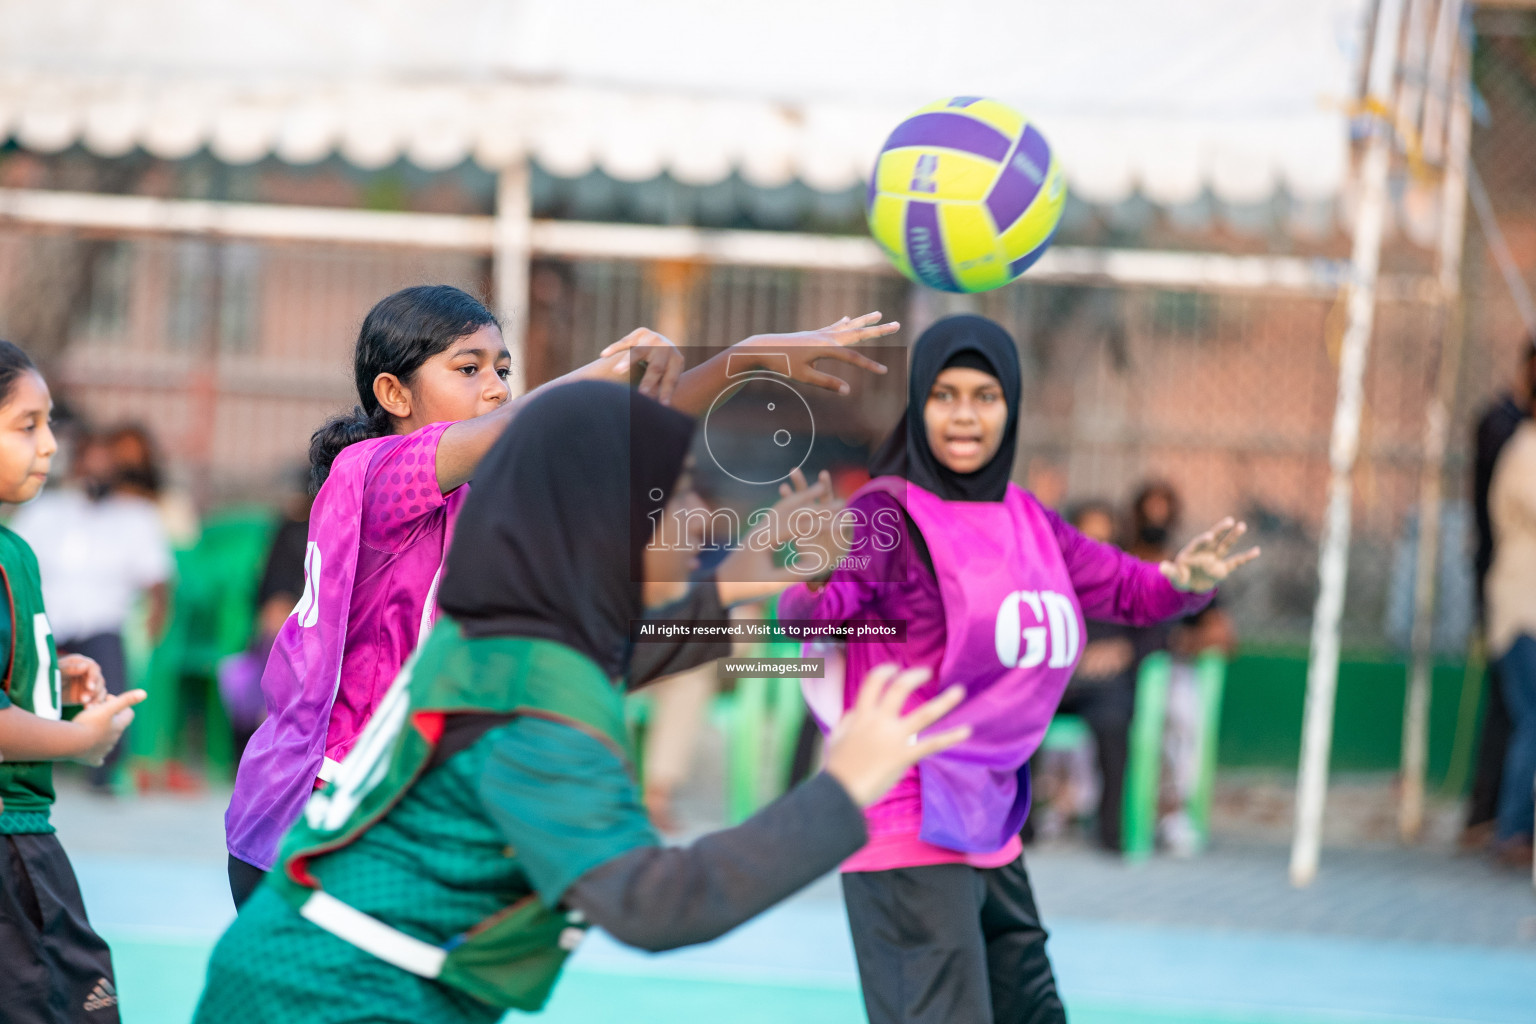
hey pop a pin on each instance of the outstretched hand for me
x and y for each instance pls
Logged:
(662, 361)
(804, 348)
(1207, 560)
(804, 515)
(874, 744)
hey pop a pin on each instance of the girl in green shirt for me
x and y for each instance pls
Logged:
(55, 966)
(489, 814)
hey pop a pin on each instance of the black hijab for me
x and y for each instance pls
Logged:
(970, 341)
(549, 543)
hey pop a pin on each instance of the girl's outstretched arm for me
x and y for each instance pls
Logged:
(464, 444)
(569, 807)
(798, 353)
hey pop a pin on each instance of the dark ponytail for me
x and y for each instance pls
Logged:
(399, 333)
(13, 363)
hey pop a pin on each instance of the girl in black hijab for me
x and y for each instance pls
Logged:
(490, 814)
(549, 542)
(992, 587)
(967, 342)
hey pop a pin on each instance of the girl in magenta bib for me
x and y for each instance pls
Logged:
(993, 588)
(430, 369)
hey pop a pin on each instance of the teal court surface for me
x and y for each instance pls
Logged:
(1385, 935)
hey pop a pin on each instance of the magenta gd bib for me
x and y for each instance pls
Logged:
(1013, 632)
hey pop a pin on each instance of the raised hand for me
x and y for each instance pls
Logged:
(1207, 560)
(874, 744)
(662, 361)
(804, 348)
(104, 723)
(83, 681)
(805, 515)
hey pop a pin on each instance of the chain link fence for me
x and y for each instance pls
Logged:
(232, 353)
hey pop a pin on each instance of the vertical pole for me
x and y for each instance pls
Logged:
(1453, 206)
(510, 258)
(1453, 219)
(1440, 81)
(1333, 553)
(204, 379)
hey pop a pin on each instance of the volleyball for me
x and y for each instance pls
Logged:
(965, 195)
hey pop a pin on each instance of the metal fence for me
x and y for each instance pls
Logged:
(233, 352)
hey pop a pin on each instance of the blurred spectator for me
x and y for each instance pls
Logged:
(140, 473)
(1155, 516)
(1494, 429)
(1155, 513)
(282, 583)
(1103, 689)
(1510, 593)
(1046, 480)
(100, 548)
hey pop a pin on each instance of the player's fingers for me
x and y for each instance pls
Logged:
(931, 711)
(819, 492)
(810, 375)
(848, 355)
(1242, 559)
(895, 696)
(1199, 545)
(1222, 530)
(655, 370)
(124, 701)
(628, 341)
(853, 335)
(795, 492)
(671, 374)
(1232, 536)
(874, 685)
(941, 741)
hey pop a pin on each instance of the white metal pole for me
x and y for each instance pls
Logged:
(1453, 206)
(1333, 550)
(512, 235)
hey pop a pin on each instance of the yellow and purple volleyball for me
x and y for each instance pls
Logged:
(966, 195)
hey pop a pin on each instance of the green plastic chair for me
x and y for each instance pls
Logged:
(761, 720)
(212, 615)
(1066, 732)
(1144, 763)
(1211, 681)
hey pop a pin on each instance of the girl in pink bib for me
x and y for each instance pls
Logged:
(430, 369)
(993, 588)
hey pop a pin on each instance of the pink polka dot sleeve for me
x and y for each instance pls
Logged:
(401, 498)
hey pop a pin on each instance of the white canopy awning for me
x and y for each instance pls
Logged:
(1240, 98)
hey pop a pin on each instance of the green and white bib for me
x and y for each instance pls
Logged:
(34, 684)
